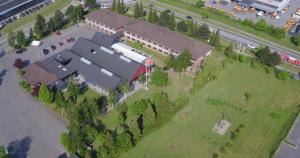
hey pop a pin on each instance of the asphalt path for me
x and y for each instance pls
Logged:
(237, 36)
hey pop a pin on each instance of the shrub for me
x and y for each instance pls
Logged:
(45, 95)
(20, 72)
(242, 58)
(283, 75)
(24, 85)
(18, 63)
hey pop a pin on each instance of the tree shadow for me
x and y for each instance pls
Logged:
(19, 148)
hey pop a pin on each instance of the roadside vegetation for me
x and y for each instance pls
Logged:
(219, 17)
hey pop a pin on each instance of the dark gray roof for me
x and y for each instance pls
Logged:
(116, 63)
(103, 39)
(92, 73)
(7, 5)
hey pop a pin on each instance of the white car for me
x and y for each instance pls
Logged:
(252, 46)
(36, 43)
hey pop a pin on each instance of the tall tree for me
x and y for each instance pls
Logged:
(11, 38)
(31, 35)
(150, 16)
(114, 5)
(191, 28)
(45, 94)
(73, 90)
(164, 18)
(266, 57)
(182, 26)
(51, 25)
(203, 32)
(215, 39)
(136, 10)
(172, 22)
(21, 39)
(125, 88)
(58, 19)
(61, 102)
(183, 61)
(112, 97)
(39, 26)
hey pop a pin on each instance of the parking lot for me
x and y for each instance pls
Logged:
(29, 128)
(291, 149)
(294, 4)
(54, 40)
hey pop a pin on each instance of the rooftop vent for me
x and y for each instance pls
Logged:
(93, 51)
(85, 61)
(62, 60)
(125, 59)
(106, 72)
(107, 50)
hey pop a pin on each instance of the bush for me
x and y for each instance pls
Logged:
(296, 40)
(18, 63)
(242, 58)
(24, 85)
(45, 95)
(283, 75)
(20, 72)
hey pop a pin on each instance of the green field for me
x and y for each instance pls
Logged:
(265, 115)
(45, 11)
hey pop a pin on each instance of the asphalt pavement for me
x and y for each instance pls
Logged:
(27, 127)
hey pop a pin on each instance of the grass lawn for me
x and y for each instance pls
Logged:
(45, 11)
(189, 134)
(219, 20)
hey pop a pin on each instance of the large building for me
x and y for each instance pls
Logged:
(152, 36)
(10, 8)
(99, 67)
(270, 6)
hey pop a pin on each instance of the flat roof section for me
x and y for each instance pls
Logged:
(8, 5)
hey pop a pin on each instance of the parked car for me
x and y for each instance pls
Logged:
(76, 26)
(189, 17)
(53, 47)
(60, 44)
(252, 46)
(20, 51)
(72, 39)
(57, 33)
(45, 51)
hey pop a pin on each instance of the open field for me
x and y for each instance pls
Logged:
(45, 11)
(270, 105)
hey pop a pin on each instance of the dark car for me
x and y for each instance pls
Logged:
(45, 51)
(61, 44)
(20, 51)
(189, 17)
(57, 33)
(72, 39)
(53, 47)
(168, 11)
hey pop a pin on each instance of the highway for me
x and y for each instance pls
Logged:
(236, 36)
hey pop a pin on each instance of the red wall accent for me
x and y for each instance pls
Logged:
(140, 71)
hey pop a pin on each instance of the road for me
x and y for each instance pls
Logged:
(235, 36)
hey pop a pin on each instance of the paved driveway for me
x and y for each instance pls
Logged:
(29, 128)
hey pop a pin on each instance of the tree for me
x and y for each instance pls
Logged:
(3, 152)
(124, 142)
(182, 26)
(61, 101)
(191, 28)
(203, 32)
(51, 25)
(170, 61)
(73, 90)
(183, 61)
(69, 11)
(159, 78)
(112, 97)
(229, 51)
(136, 10)
(39, 26)
(11, 39)
(114, 5)
(21, 39)
(164, 19)
(172, 22)
(31, 35)
(265, 56)
(278, 33)
(58, 19)
(121, 8)
(200, 3)
(261, 25)
(215, 39)
(19, 64)
(296, 40)
(162, 103)
(125, 88)
(45, 95)
(140, 106)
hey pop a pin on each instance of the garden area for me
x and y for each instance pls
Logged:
(257, 110)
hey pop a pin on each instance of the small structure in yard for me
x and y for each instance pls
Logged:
(221, 127)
